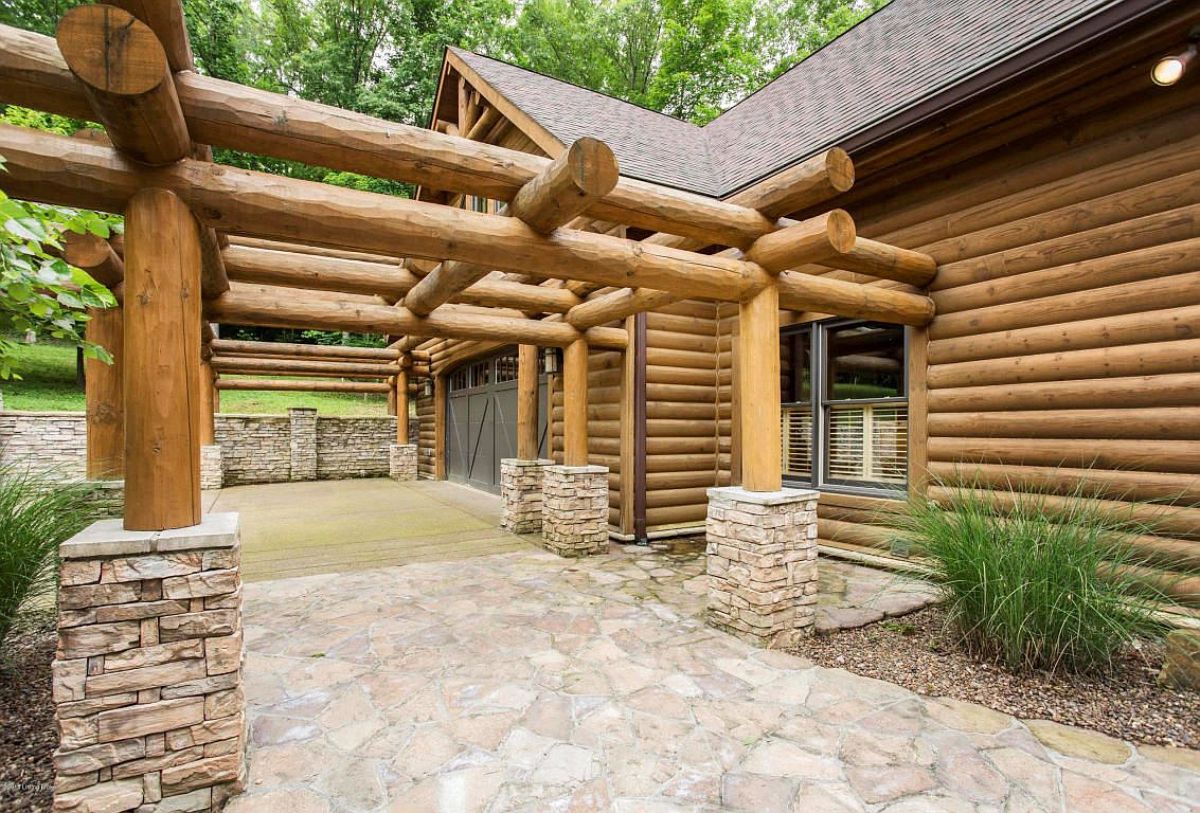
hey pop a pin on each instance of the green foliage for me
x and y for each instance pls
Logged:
(39, 292)
(47, 383)
(1043, 583)
(36, 515)
(337, 338)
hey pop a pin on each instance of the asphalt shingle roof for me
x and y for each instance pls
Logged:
(905, 53)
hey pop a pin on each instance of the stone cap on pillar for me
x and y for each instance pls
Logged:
(108, 537)
(521, 463)
(781, 497)
(580, 469)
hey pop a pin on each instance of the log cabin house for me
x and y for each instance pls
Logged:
(1024, 146)
(960, 239)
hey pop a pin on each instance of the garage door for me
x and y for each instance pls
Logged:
(481, 419)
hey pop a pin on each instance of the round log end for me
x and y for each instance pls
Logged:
(841, 230)
(110, 50)
(594, 168)
(840, 169)
(85, 251)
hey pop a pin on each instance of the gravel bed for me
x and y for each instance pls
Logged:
(27, 735)
(918, 652)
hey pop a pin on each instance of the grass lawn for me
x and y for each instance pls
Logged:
(48, 384)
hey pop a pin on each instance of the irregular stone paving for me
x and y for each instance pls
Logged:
(526, 682)
(853, 596)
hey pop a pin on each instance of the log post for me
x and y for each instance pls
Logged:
(401, 392)
(439, 427)
(527, 402)
(105, 397)
(162, 363)
(758, 379)
(208, 431)
(575, 404)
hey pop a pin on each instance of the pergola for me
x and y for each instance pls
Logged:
(205, 242)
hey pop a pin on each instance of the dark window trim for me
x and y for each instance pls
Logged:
(820, 404)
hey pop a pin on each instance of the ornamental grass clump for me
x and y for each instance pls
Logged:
(1035, 581)
(36, 515)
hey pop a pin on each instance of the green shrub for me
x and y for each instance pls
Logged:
(1036, 581)
(36, 515)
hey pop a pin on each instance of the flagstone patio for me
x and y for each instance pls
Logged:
(519, 681)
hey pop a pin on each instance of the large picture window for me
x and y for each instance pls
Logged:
(845, 405)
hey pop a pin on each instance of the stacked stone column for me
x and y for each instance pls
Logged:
(575, 510)
(147, 680)
(402, 461)
(521, 483)
(762, 564)
(303, 443)
(212, 473)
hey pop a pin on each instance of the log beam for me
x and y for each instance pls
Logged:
(806, 292)
(299, 270)
(123, 71)
(811, 241)
(581, 175)
(226, 114)
(165, 18)
(96, 256)
(886, 262)
(296, 385)
(283, 309)
(162, 337)
(382, 354)
(555, 196)
(283, 367)
(272, 206)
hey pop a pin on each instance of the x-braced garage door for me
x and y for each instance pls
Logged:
(481, 419)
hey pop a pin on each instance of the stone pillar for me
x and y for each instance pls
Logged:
(304, 443)
(521, 492)
(402, 461)
(147, 680)
(762, 563)
(575, 510)
(212, 472)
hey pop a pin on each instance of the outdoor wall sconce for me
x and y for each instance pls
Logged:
(550, 360)
(427, 388)
(1170, 68)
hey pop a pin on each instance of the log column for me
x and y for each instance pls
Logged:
(162, 365)
(402, 459)
(575, 501)
(104, 393)
(522, 478)
(212, 473)
(762, 551)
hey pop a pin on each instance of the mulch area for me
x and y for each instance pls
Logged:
(27, 734)
(918, 652)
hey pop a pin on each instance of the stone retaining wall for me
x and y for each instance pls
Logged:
(354, 447)
(254, 448)
(51, 442)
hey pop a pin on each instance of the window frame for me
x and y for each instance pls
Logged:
(820, 406)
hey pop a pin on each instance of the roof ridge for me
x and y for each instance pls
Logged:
(585, 88)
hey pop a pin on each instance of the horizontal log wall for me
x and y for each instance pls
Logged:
(1066, 348)
(604, 421)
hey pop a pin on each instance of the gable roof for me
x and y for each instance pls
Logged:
(905, 54)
